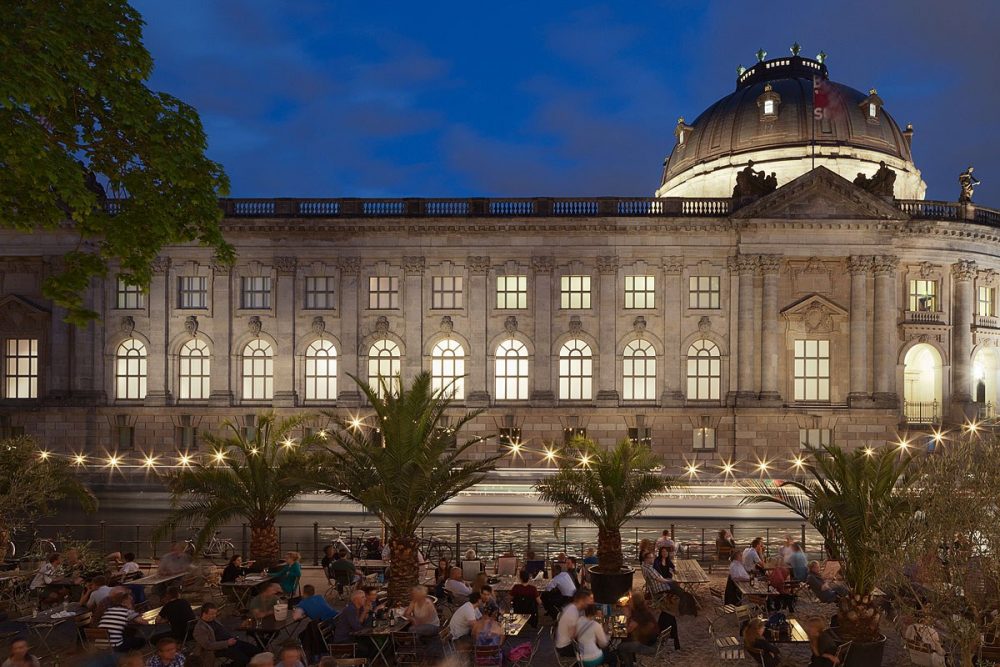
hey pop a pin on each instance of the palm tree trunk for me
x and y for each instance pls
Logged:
(859, 617)
(264, 545)
(405, 572)
(4, 542)
(609, 550)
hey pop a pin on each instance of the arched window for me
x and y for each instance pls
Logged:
(383, 364)
(639, 371)
(511, 382)
(922, 384)
(130, 370)
(321, 371)
(576, 371)
(196, 371)
(258, 371)
(704, 371)
(448, 368)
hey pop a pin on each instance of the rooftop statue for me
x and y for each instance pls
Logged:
(881, 183)
(751, 183)
(967, 182)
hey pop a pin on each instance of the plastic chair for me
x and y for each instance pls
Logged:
(471, 568)
(506, 566)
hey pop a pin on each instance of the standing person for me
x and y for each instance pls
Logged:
(822, 647)
(642, 631)
(167, 654)
(786, 550)
(289, 573)
(757, 647)
(211, 637)
(329, 555)
(175, 561)
(567, 622)
(591, 638)
(20, 655)
(797, 562)
(664, 540)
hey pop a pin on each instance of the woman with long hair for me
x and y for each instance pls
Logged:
(757, 647)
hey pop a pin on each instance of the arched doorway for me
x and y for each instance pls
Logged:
(922, 384)
(985, 365)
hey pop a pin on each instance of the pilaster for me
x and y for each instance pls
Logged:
(673, 291)
(348, 393)
(859, 266)
(607, 267)
(962, 274)
(284, 313)
(478, 297)
(413, 315)
(222, 327)
(886, 336)
(542, 266)
(770, 267)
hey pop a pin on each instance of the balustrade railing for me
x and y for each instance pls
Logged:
(924, 316)
(987, 321)
(927, 208)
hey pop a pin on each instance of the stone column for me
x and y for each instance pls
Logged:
(542, 370)
(157, 390)
(285, 333)
(746, 268)
(347, 390)
(58, 349)
(478, 294)
(413, 316)
(607, 267)
(770, 266)
(223, 355)
(673, 309)
(886, 336)
(859, 267)
(962, 274)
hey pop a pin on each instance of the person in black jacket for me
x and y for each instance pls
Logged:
(757, 647)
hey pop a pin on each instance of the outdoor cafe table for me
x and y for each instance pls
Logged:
(264, 629)
(758, 588)
(243, 588)
(380, 636)
(371, 564)
(42, 624)
(796, 634)
(156, 579)
(689, 574)
(514, 624)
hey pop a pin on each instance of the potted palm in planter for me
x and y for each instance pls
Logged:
(606, 488)
(855, 500)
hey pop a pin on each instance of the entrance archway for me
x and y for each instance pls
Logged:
(922, 384)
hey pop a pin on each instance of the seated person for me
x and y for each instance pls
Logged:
(664, 563)
(350, 620)
(822, 646)
(342, 570)
(558, 592)
(533, 565)
(129, 567)
(643, 631)
(525, 598)
(421, 614)
(20, 654)
(167, 654)
(95, 592)
(289, 573)
(463, 619)
(290, 655)
(262, 604)
(657, 585)
(753, 557)
(758, 648)
(458, 589)
(177, 612)
(591, 638)
(329, 555)
(175, 561)
(117, 618)
(779, 577)
(487, 600)
(921, 635)
(736, 573)
(565, 632)
(211, 637)
(825, 591)
(314, 605)
(234, 569)
(725, 545)
(486, 630)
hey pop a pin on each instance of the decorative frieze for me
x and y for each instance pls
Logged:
(543, 264)
(414, 264)
(885, 265)
(285, 266)
(963, 270)
(607, 264)
(477, 263)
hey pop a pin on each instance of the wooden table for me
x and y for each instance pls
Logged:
(758, 588)
(689, 574)
(796, 635)
(243, 589)
(156, 579)
(151, 615)
(42, 624)
(381, 637)
(514, 624)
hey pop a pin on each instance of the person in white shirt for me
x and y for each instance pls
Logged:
(590, 637)
(737, 572)
(129, 567)
(95, 592)
(786, 550)
(558, 591)
(664, 541)
(753, 556)
(564, 582)
(461, 621)
(459, 590)
(46, 573)
(920, 633)
(568, 619)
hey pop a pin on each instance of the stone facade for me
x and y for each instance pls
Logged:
(817, 260)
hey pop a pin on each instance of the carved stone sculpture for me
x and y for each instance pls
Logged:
(191, 325)
(882, 182)
(751, 183)
(967, 182)
(510, 324)
(255, 325)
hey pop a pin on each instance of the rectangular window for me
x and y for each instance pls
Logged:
(319, 293)
(20, 368)
(256, 292)
(813, 438)
(641, 436)
(446, 292)
(812, 370)
(704, 438)
(124, 433)
(923, 295)
(570, 433)
(703, 292)
(640, 291)
(192, 292)
(512, 292)
(383, 293)
(985, 305)
(507, 436)
(575, 292)
(768, 107)
(130, 297)
(186, 435)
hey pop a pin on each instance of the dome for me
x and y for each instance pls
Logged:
(769, 120)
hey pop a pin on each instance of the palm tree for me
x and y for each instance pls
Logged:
(854, 500)
(606, 488)
(251, 478)
(402, 466)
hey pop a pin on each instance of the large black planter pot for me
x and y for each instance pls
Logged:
(609, 587)
(865, 654)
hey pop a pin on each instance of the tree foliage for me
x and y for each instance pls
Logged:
(247, 478)
(32, 486)
(855, 501)
(77, 120)
(604, 487)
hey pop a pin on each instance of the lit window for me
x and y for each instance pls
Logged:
(985, 306)
(446, 292)
(814, 438)
(812, 370)
(512, 292)
(704, 371)
(320, 293)
(508, 436)
(768, 107)
(511, 371)
(20, 368)
(704, 438)
(703, 292)
(255, 292)
(383, 292)
(321, 371)
(639, 371)
(641, 436)
(130, 370)
(575, 292)
(258, 371)
(640, 291)
(130, 297)
(196, 371)
(448, 369)
(384, 365)
(576, 371)
(923, 295)
(192, 292)
(872, 110)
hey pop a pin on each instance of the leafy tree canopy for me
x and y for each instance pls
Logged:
(77, 120)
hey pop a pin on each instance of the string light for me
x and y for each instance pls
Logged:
(43, 455)
(149, 462)
(550, 455)
(727, 468)
(972, 427)
(355, 422)
(869, 452)
(113, 461)
(938, 436)
(798, 462)
(287, 442)
(691, 468)
(219, 456)
(585, 460)
(184, 460)
(763, 464)
(903, 444)
(322, 434)
(79, 459)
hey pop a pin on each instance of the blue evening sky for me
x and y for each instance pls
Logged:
(437, 99)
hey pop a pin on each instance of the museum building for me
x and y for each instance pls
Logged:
(786, 285)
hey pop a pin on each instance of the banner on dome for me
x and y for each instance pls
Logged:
(826, 102)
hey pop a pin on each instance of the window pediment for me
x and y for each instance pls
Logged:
(815, 314)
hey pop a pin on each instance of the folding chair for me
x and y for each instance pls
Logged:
(98, 639)
(507, 566)
(728, 649)
(842, 652)
(655, 658)
(484, 656)
(471, 568)
(561, 660)
(409, 648)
